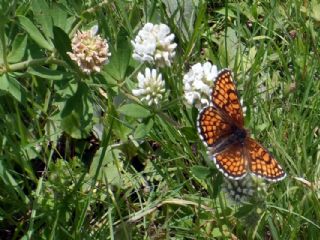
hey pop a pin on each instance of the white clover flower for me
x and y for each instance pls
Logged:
(198, 83)
(154, 44)
(89, 50)
(150, 87)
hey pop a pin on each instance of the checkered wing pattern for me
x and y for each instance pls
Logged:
(225, 97)
(231, 162)
(262, 163)
(212, 126)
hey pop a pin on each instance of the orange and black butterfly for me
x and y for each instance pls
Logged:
(221, 127)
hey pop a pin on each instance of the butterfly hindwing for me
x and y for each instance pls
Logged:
(262, 163)
(224, 96)
(231, 162)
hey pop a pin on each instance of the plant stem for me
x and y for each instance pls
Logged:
(34, 62)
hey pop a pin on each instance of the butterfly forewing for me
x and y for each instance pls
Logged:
(212, 126)
(231, 162)
(262, 163)
(225, 97)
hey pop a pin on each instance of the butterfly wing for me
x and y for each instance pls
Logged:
(212, 127)
(224, 96)
(262, 163)
(231, 162)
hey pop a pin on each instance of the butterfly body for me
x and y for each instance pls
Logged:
(221, 127)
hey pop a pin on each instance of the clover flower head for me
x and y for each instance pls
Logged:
(151, 87)
(154, 44)
(240, 191)
(197, 84)
(89, 50)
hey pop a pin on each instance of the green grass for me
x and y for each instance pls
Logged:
(149, 176)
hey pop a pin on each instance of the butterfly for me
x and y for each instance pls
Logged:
(221, 128)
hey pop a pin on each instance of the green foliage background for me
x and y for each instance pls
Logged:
(146, 174)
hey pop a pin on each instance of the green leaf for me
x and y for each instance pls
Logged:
(120, 58)
(13, 87)
(61, 41)
(183, 14)
(273, 229)
(18, 48)
(201, 172)
(47, 73)
(9, 180)
(77, 113)
(143, 129)
(60, 18)
(134, 110)
(63, 44)
(315, 6)
(120, 129)
(189, 132)
(34, 33)
(244, 210)
(108, 167)
(216, 233)
(217, 185)
(40, 11)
